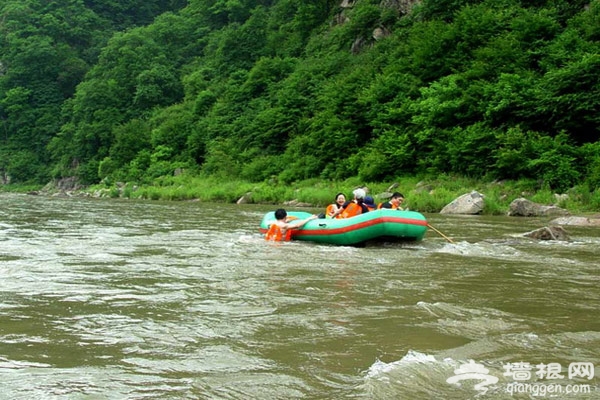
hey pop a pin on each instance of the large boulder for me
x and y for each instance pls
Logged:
(245, 199)
(522, 207)
(384, 196)
(549, 233)
(296, 203)
(470, 203)
(423, 187)
(576, 221)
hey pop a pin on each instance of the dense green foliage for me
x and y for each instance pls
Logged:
(282, 90)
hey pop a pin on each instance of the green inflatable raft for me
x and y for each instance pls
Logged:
(383, 225)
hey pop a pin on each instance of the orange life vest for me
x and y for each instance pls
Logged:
(330, 210)
(275, 233)
(392, 208)
(352, 210)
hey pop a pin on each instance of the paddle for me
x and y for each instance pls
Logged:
(440, 233)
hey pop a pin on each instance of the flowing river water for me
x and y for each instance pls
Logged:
(116, 299)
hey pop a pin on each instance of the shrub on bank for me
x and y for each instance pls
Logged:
(424, 195)
(427, 195)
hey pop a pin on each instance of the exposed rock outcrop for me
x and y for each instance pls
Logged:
(470, 203)
(402, 6)
(522, 207)
(380, 33)
(4, 178)
(576, 221)
(245, 199)
(389, 191)
(358, 44)
(296, 203)
(423, 187)
(549, 233)
(69, 186)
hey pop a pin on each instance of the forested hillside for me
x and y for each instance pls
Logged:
(288, 90)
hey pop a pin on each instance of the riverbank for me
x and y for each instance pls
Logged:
(424, 194)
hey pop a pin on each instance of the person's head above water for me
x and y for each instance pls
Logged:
(280, 214)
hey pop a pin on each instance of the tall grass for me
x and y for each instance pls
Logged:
(424, 194)
(20, 188)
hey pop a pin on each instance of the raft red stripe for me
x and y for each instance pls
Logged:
(355, 227)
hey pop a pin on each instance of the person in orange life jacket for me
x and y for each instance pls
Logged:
(340, 200)
(370, 203)
(394, 203)
(354, 207)
(281, 229)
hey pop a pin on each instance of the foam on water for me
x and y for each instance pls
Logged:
(380, 369)
(481, 249)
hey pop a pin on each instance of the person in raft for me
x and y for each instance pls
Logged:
(338, 204)
(354, 207)
(281, 229)
(394, 203)
(370, 203)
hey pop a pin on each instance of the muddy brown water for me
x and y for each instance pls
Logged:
(115, 299)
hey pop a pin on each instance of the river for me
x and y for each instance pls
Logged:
(124, 299)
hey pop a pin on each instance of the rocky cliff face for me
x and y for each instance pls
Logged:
(4, 178)
(402, 7)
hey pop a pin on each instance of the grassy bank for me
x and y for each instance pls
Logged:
(20, 188)
(422, 194)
